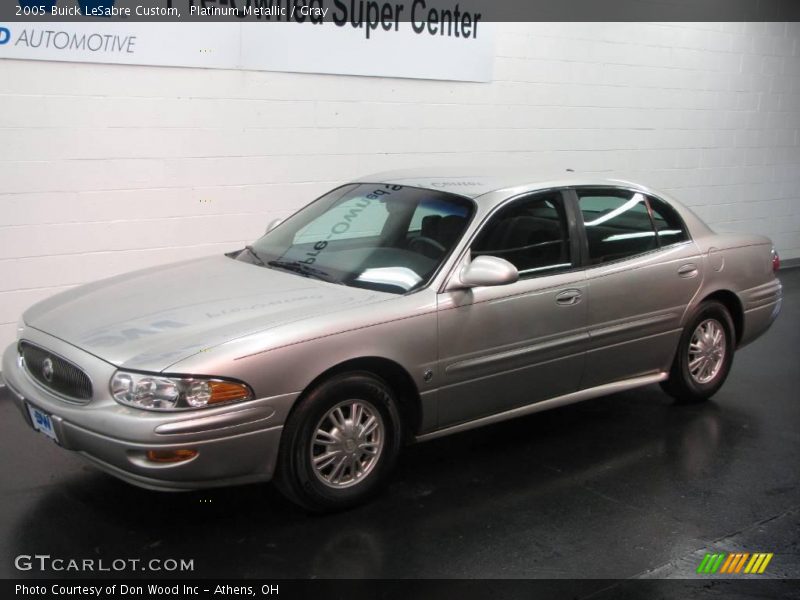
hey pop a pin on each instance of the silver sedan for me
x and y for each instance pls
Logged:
(397, 308)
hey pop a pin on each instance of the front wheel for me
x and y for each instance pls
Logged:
(340, 443)
(704, 356)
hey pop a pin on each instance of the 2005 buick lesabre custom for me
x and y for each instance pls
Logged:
(397, 308)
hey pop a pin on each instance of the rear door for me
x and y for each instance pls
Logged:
(508, 346)
(642, 271)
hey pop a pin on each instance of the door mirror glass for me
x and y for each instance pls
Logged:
(488, 270)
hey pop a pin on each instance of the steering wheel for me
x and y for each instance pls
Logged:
(418, 244)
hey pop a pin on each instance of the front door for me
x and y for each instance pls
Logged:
(508, 346)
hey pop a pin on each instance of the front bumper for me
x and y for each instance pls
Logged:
(235, 444)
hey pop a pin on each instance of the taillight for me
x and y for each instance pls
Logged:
(776, 261)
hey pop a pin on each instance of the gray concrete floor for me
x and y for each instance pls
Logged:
(626, 486)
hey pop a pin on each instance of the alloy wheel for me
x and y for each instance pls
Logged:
(347, 444)
(707, 351)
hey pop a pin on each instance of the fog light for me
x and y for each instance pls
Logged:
(170, 456)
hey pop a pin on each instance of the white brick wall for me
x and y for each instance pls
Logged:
(110, 168)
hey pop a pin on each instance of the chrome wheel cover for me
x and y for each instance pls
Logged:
(347, 444)
(707, 351)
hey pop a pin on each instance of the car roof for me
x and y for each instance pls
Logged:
(488, 187)
(475, 182)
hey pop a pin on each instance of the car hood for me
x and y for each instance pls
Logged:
(153, 318)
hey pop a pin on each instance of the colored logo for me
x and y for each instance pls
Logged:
(742, 563)
(5, 35)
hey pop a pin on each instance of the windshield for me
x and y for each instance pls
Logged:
(383, 237)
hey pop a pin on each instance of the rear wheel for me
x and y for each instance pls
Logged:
(340, 443)
(705, 355)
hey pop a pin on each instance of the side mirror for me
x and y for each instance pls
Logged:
(273, 224)
(488, 270)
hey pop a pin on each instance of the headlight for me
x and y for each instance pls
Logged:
(20, 328)
(154, 392)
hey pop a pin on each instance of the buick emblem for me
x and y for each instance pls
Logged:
(47, 370)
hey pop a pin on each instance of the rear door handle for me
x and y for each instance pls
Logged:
(568, 297)
(688, 270)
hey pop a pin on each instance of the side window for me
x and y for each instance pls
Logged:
(435, 208)
(439, 222)
(617, 224)
(532, 234)
(668, 222)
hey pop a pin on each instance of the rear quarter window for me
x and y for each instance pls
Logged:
(669, 224)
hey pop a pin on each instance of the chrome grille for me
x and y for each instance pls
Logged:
(55, 373)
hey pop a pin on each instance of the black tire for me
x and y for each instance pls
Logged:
(296, 476)
(681, 384)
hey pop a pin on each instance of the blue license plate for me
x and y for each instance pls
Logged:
(42, 422)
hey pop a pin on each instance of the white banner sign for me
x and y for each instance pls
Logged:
(275, 46)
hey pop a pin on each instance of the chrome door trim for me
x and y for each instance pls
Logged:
(579, 396)
(499, 357)
(625, 325)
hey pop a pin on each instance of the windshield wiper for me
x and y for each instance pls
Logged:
(255, 255)
(301, 268)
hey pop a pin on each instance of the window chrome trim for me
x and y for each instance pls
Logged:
(635, 256)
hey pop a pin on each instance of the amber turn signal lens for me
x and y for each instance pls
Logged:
(225, 391)
(170, 456)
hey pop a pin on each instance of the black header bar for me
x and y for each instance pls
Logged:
(317, 12)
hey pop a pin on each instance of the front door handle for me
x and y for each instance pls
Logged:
(568, 297)
(688, 270)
